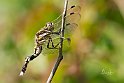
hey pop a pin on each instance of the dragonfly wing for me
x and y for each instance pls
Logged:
(72, 9)
(75, 9)
(73, 18)
(70, 28)
(57, 25)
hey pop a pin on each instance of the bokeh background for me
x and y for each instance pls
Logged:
(96, 52)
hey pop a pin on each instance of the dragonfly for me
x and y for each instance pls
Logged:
(48, 32)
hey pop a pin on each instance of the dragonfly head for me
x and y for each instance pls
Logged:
(50, 26)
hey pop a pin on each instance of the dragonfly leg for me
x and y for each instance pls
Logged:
(57, 33)
(53, 46)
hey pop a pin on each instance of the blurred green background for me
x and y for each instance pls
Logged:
(96, 52)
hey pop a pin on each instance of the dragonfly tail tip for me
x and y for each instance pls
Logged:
(21, 73)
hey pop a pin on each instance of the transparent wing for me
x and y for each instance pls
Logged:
(72, 9)
(72, 16)
(70, 28)
(75, 9)
(71, 21)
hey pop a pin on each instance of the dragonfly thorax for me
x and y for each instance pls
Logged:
(50, 26)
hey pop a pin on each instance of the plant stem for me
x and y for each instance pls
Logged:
(60, 57)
